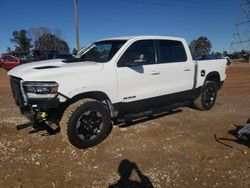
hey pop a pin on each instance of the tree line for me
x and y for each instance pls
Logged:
(44, 40)
(39, 39)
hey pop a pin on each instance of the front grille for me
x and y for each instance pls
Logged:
(16, 90)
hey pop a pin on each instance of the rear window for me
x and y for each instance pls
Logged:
(171, 51)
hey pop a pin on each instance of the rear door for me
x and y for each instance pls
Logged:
(176, 71)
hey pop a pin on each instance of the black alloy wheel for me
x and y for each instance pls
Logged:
(86, 123)
(89, 125)
(209, 95)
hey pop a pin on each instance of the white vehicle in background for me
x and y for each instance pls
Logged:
(115, 78)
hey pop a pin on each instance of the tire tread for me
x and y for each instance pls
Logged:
(197, 103)
(68, 113)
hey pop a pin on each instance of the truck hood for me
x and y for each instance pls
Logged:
(45, 70)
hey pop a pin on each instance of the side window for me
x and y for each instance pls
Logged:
(171, 51)
(139, 53)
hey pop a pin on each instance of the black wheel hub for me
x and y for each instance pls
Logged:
(209, 96)
(89, 125)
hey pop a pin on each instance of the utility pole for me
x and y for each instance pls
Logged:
(76, 24)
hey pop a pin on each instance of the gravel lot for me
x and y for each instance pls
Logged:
(172, 150)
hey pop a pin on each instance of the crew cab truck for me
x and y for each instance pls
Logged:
(114, 79)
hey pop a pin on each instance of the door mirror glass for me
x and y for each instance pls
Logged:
(140, 59)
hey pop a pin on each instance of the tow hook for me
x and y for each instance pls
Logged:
(42, 116)
(39, 119)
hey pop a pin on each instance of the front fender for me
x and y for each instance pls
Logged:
(82, 90)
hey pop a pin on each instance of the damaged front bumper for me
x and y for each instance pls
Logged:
(33, 109)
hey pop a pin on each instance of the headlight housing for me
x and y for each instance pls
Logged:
(40, 89)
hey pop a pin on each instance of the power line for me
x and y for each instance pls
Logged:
(241, 36)
(184, 4)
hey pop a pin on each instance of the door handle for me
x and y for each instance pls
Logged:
(155, 72)
(187, 69)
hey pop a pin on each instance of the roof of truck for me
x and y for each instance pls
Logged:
(142, 37)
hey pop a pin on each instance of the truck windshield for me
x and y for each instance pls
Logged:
(100, 52)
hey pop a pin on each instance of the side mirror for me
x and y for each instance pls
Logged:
(140, 59)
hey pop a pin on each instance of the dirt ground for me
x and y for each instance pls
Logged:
(173, 150)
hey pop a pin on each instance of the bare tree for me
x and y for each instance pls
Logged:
(57, 32)
(49, 42)
(36, 33)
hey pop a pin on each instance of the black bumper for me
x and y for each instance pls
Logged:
(26, 105)
(44, 104)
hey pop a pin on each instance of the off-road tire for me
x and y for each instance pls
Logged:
(72, 115)
(200, 102)
(248, 120)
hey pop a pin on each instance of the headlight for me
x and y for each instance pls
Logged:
(40, 89)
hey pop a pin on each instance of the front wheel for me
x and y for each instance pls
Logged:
(86, 123)
(208, 96)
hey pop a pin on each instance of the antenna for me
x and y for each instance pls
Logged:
(241, 37)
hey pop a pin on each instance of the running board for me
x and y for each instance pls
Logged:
(153, 111)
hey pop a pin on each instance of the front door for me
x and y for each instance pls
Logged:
(137, 74)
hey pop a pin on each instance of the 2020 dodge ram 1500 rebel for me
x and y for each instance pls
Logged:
(114, 79)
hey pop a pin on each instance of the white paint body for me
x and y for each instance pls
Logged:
(120, 82)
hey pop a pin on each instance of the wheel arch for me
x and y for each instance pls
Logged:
(96, 95)
(213, 76)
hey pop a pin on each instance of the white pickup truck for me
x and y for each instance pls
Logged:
(111, 79)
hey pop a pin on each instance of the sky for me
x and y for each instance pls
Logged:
(99, 19)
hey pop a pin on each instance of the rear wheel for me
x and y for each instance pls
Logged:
(208, 96)
(85, 123)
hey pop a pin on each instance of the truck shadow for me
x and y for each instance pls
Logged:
(39, 128)
(125, 170)
(232, 136)
(146, 118)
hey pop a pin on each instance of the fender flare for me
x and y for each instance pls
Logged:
(212, 76)
(97, 95)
